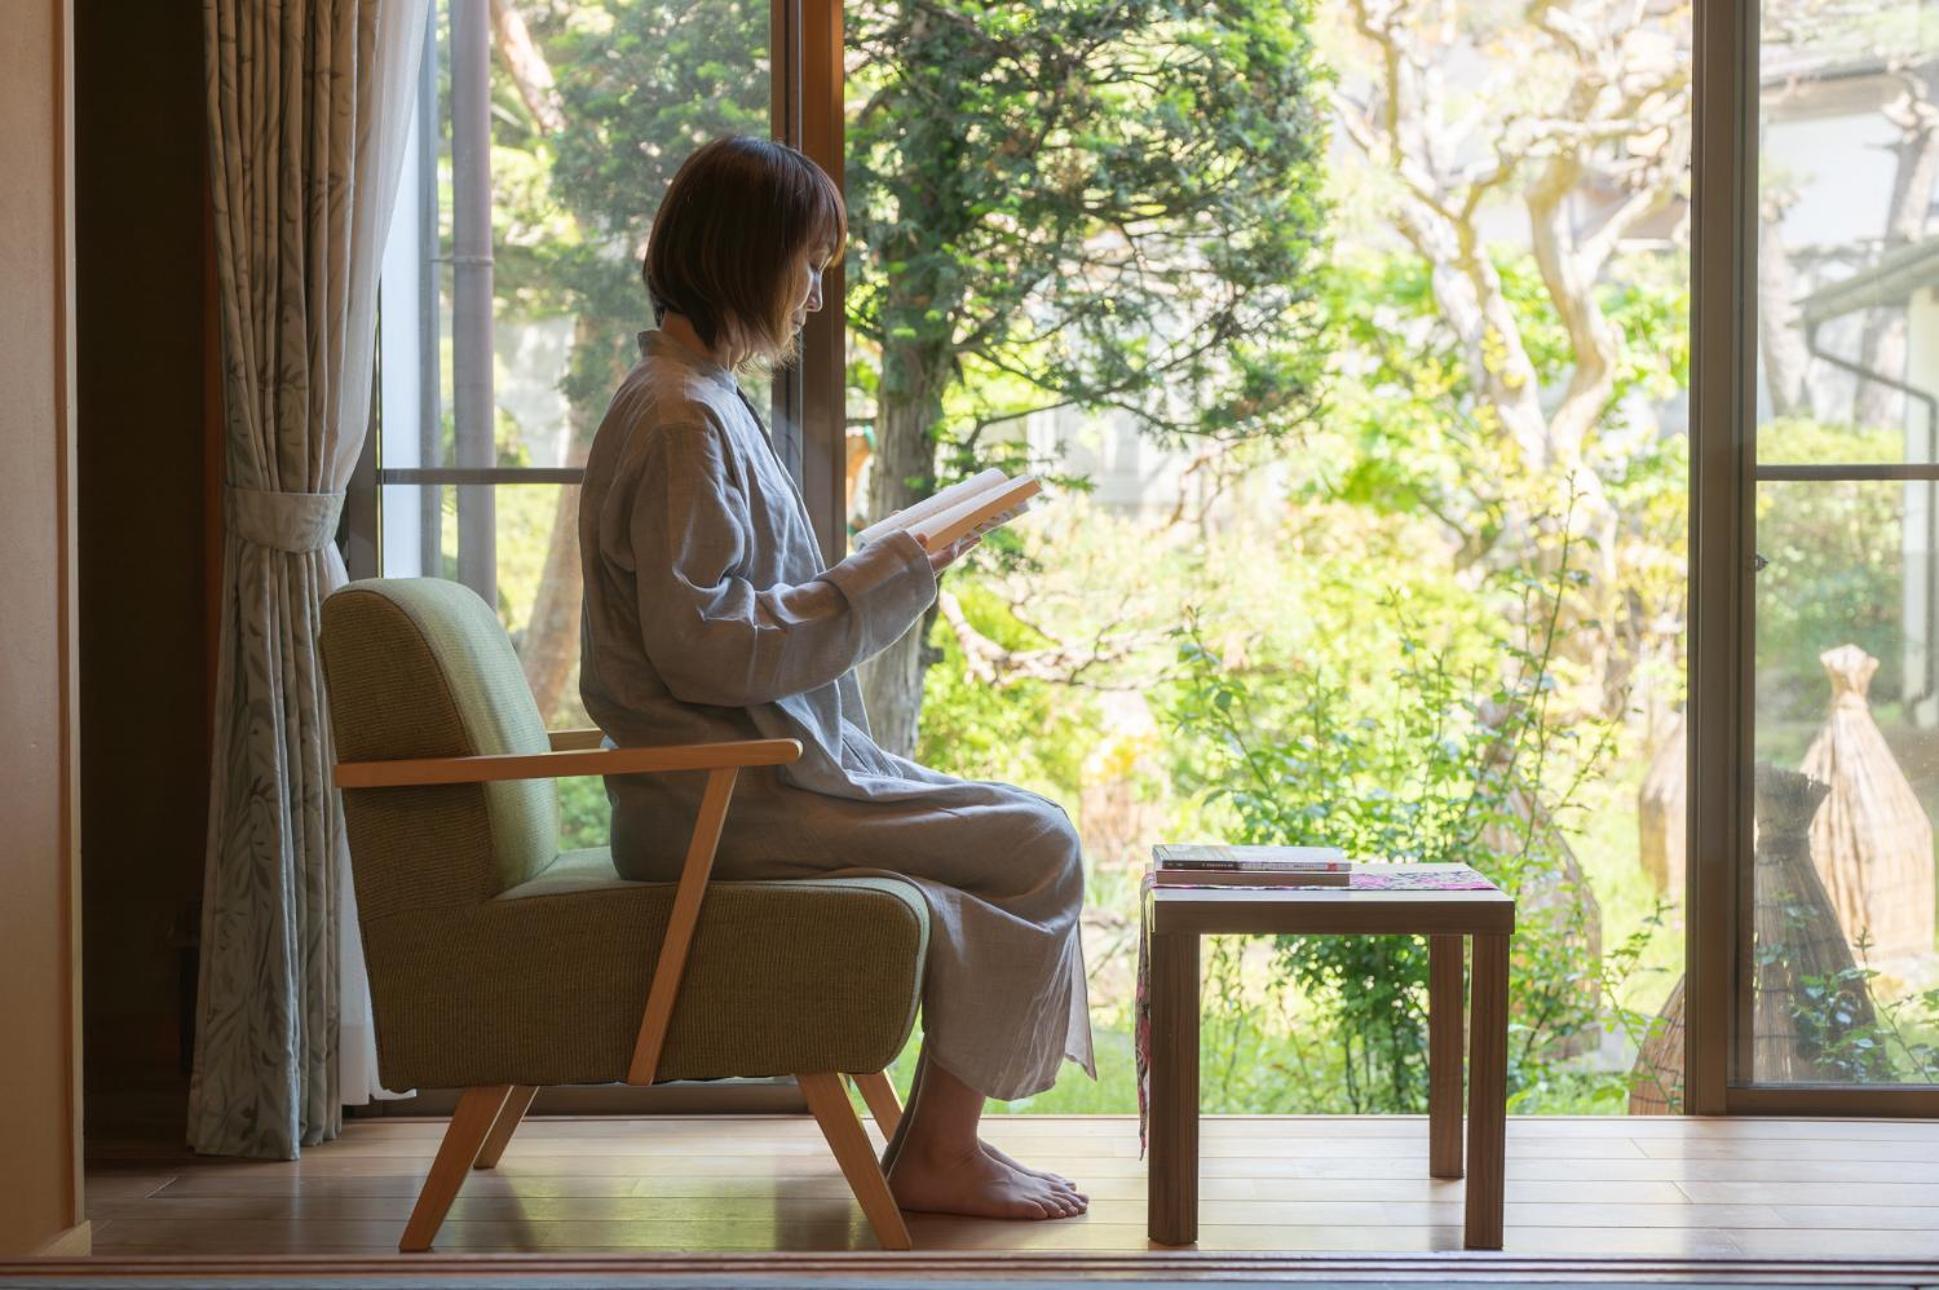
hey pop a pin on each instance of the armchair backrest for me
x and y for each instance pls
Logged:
(421, 667)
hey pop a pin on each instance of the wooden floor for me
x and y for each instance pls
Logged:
(1651, 1188)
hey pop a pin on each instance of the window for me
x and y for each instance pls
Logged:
(1845, 716)
(1366, 399)
(511, 295)
(1364, 385)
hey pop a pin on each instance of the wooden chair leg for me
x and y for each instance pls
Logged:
(517, 1103)
(879, 1096)
(477, 1111)
(850, 1143)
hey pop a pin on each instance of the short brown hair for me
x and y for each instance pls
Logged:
(738, 217)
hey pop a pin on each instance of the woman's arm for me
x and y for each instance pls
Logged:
(715, 638)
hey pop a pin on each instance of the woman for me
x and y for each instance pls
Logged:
(709, 615)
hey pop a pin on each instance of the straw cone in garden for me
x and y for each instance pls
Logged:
(1807, 1002)
(1871, 840)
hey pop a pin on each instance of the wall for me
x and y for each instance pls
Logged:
(39, 1183)
(140, 167)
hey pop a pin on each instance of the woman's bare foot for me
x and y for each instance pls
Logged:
(1000, 1156)
(1005, 1158)
(974, 1183)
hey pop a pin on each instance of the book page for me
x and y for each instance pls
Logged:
(913, 515)
(977, 514)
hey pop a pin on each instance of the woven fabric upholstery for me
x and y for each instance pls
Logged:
(420, 667)
(783, 977)
(493, 963)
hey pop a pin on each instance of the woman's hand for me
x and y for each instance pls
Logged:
(940, 560)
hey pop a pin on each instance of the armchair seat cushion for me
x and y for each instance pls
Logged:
(546, 983)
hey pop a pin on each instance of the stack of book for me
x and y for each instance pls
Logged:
(1201, 865)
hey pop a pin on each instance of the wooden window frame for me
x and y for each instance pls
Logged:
(1722, 705)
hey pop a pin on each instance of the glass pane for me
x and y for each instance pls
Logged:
(525, 536)
(1846, 716)
(1847, 271)
(1238, 617)
(1847, 753)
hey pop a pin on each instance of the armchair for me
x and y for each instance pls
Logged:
(499, 965)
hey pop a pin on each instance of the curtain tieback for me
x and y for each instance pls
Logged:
(294, 522)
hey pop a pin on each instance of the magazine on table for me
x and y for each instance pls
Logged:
(1218, 865)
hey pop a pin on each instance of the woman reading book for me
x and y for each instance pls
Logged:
(709, 614)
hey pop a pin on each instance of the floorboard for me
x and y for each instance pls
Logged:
(1618, 1188)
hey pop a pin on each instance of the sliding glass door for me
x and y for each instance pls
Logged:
(1816, 587)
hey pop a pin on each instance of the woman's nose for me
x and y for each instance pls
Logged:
(814, 294)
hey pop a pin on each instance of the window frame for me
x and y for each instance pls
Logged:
(1724, 474)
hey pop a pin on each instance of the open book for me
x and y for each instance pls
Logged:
(974, 506)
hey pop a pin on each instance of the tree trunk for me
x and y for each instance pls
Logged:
(904, 472)
(550, 649)
(1916, 165)
(1785, 357)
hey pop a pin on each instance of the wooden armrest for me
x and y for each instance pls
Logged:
(574, 740)
(731, 754)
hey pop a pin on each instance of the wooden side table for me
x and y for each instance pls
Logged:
(1175, 919)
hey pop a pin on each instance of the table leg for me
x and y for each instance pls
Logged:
(1488, 1093)
(1172, 1177)
(1445, 1032)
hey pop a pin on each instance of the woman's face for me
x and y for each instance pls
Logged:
(807, 296)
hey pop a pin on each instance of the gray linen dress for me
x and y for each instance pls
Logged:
(710, 615)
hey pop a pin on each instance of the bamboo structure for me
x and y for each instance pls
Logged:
(1660, 815)
(1806, 998)
(1871, 841)
(1656, 1081)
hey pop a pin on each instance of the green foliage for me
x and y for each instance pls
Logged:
(1405, 431)
(584, 817)
(1028, 732)
(1113, 205)
(1844, 1027)
(640, 84)
(1447, 765)
(1833, 571)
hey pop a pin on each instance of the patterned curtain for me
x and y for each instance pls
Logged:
(309, 104)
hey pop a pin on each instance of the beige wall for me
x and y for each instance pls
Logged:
(39, 1184)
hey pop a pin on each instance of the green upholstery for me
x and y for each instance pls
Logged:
(495, 959)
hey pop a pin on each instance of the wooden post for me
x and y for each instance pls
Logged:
(1172, 1204)
(1445, 1014)
(1488, 1093)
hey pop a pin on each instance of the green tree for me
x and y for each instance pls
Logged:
(1112, 205)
